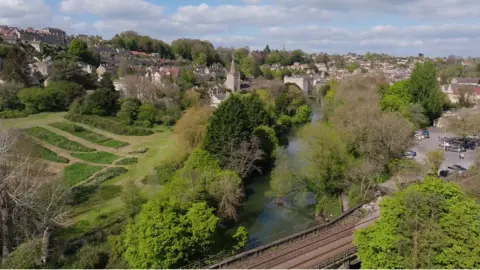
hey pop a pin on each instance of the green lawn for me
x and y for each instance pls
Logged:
(42, 152)
(88, 135)
(97, 157)
(57, 140)
(127, 161)
(108, 174)
(78, 172)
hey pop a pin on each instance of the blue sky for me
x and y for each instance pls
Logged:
(400, 27)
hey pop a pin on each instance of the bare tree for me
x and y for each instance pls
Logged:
(228, 193)
(243, 157)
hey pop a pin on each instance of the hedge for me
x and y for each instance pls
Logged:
(97, 157)
(88, 135)
(108, 125)
(10, 114)
(57, 140)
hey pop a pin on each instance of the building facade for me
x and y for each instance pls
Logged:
(233, 78)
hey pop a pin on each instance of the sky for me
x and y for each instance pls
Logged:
(398, 27)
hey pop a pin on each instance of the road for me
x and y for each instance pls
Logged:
(310, 252)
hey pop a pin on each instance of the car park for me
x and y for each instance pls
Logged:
(410, 154)
(455, 148)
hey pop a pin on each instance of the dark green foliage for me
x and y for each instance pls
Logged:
(89, 257)
(425, 89)
(9, 96)
(129, 110)
(165, 172)
(10, 114)
(57, 140)
(107, 174)
(108, 125)
(78, 172)
(101, 102)
(97, 157)
(78, 49)
(88, 135)
(132, 41)
(127, 161)
(255, 110)
(66, 93)
(269, 141)
(15, 66)
(68, 70)
(193, 49)
(228, 125)
(283, 126)
(80, 194)
(148, 115)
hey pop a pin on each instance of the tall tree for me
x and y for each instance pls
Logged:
(79, 49)
(267, 49)
(15, 67)
(428, 225)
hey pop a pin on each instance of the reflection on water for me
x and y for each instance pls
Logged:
(265, 220)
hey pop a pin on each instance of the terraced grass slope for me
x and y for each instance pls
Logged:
(57, 140)
(97, 157)
(79, 172)
(89, 135)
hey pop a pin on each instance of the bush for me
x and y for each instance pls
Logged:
(268, 139)
(202, 160)
(108, 125)
(10, 114)
(78, 172)
(25, 256)
(9, 96)
(107, 175)
(139, 151)
(80, 194)
(57, 140)
(128, 110)
(148, 115)
(167, 170)
(101, 102)
(302, 115)
(97, 157)
(127, 161)
(89, 135)
(38, 99)
(66, 93)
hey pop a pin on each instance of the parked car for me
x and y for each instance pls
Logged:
(419, 136)
(459, 167)
(471, 145)
(455, 148)
(410, 154)
(456, 169)
(444, 144)
(426, 134)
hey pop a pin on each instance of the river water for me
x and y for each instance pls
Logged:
(265, 220)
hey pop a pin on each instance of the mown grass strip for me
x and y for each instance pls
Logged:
(79, 172)
(108, 125)
(57, 140)
(127, 161)
(88, 135)
(42, 152)
(97, 157)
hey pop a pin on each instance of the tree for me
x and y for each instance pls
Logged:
(267, 49)
(417, 116)
(243, 158)
(192, 126)
(102, 102)
(302, 115)
(464, 124)
(166, 235)
(465, 94)
(9, 96)
(434, 160)
(129, 110)
(124, 69)
(428, 225)
(131, 199)
(148, 114)
(228, 124)
(79, 50)
(425, 89)
(15, 67)
(68, 70)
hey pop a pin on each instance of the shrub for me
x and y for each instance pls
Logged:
(78, 172)
(127, 161)
(57, 140)
(139, 151)
(97, 157)
(80, 194)
(107, 175)
(9, 96)
(10, 114)
(167, 170)
(38, 99)
(202, 160)
(88, 135)
(302, 115)
(128, 110)
(66, 92)
(25, 256)
(148, 114)
(268, 139)
(108, 125)
(101, 102)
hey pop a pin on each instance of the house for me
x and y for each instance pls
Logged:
(102, 69)
(217, 96)
(466, 81)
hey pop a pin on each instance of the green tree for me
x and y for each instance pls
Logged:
(402, 90)
(166, 235)
(68, 70)
(15, 66)
(392, 103)
(434, 160)
(425, 89)
(246, 67)
(228, 125)
(255, 110)
(428, 225)
(9, 96)
(102, 102)
(302, 115)
(148, 114)
(267, 49)
(79, 49)
(129, 110)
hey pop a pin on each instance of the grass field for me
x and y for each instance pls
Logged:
(88, 135)
(127, 161)
(97, 157)
(108, 174)
(78, 172)
(57, 140)
(47, 154)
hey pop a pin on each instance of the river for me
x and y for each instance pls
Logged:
(265, 220)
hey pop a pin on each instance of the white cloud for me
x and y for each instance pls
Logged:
(114, 9)
(24, 13)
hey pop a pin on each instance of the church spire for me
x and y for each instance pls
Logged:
(233, 67)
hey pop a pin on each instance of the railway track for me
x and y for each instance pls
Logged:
(308, 252)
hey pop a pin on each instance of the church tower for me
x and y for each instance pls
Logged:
(233, 78)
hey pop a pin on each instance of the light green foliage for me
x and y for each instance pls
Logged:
(78, 172)
(434, 160)
(131, 199)
(392, 103)
(168, 236)
(88, 257)
(240, 237)
(57, 140)
(11, 114)
(79, 49)
(246, 67)
(148, 114)
(202, 161)
(97, 157)
(302, 115)
(37, 99)
(268, 101)
(329, 206)
(268, 139)
(401, 89)
(25, 256)
(428, 225)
